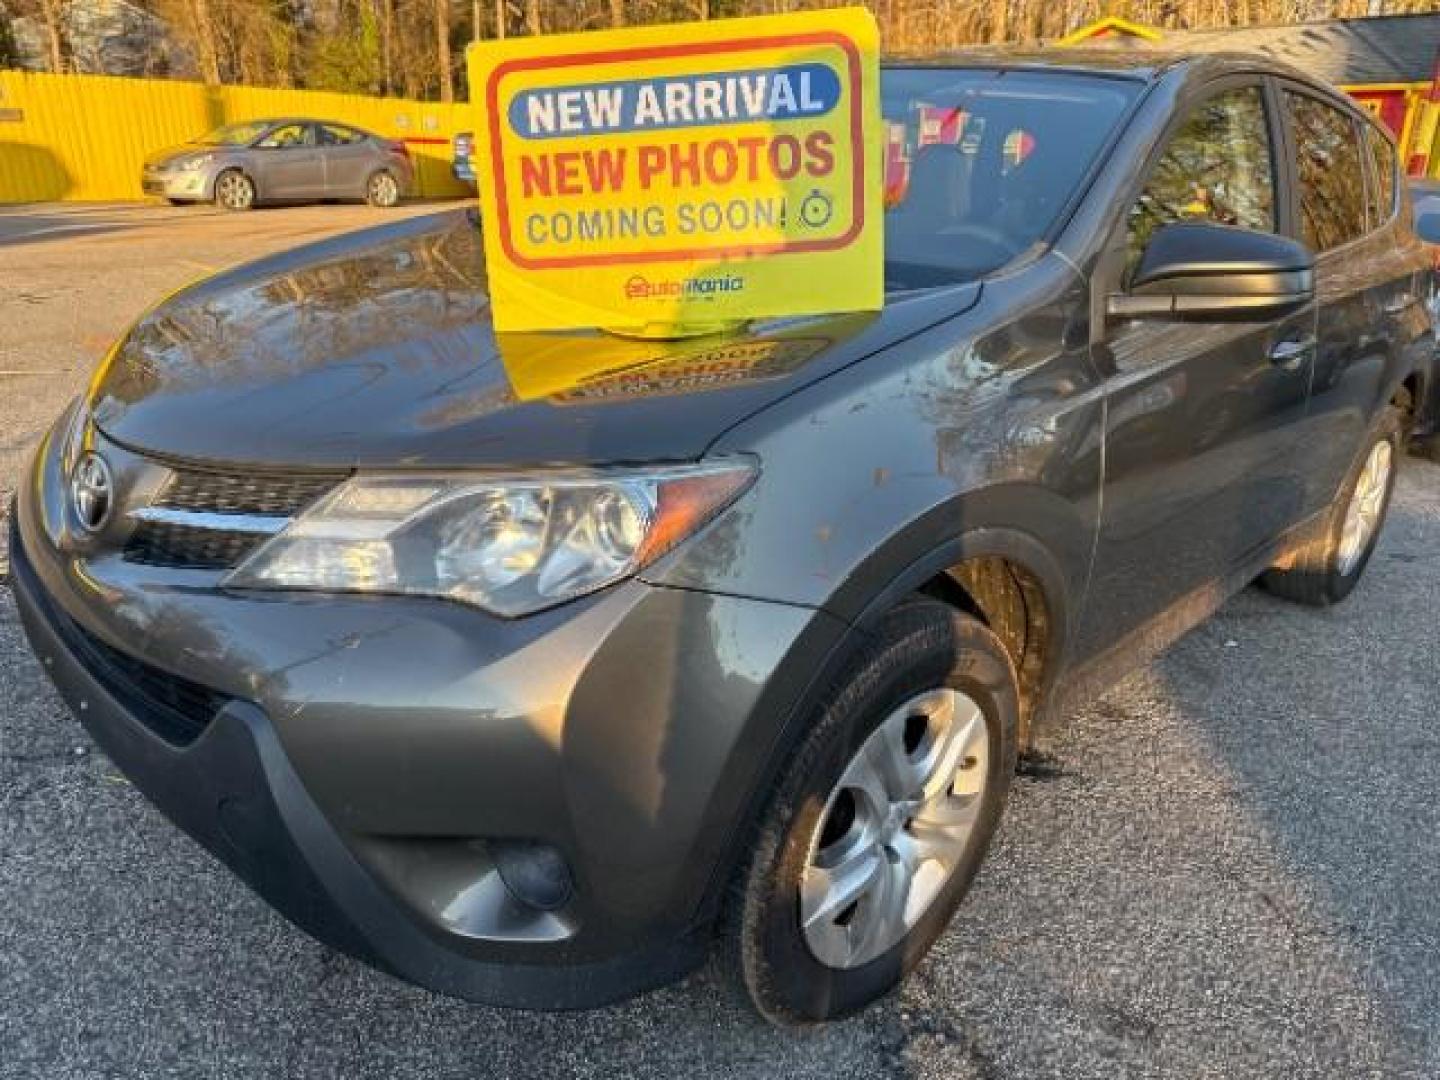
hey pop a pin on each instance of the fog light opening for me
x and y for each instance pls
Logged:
(534, 874)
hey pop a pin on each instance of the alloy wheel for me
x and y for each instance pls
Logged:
(235, 191)
(1367, 504)
(384, 191)
(894, 828)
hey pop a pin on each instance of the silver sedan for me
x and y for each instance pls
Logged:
(286, 160)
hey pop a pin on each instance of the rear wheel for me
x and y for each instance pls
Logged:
(1332, 554)
(382, 189)
(234, 190)
(880, 821)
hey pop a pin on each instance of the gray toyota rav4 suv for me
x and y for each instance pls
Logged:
(538, 669)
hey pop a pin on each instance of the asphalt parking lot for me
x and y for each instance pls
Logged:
(1230, 869)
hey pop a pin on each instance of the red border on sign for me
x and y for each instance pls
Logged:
(615, 56)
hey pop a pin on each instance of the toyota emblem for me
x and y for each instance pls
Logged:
(92, 492)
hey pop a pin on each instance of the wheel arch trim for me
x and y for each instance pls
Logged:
(1012, 544)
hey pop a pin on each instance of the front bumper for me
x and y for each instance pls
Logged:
(368, 751)
(191, 184)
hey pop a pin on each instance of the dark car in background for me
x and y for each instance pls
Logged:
(1425, 197)
(536, 668)
(284, 160)
(462, 163)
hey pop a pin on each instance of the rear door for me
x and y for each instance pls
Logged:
(1365, 277)
(1202, 463)
(288, 164)
(349, 156)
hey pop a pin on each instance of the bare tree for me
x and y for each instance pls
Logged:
(201, 24)
(999, 20)
(387, 45)
(407, 46)
(442, 50)
(52, 13)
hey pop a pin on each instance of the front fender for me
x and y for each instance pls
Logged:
(959, 432)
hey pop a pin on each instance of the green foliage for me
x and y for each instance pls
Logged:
(347, 62)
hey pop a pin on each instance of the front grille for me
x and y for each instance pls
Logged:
(273, 494)
(162, 543)
(176, 709)
(278, 494)
(211, 546)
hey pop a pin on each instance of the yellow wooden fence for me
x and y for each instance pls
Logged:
(84, 137)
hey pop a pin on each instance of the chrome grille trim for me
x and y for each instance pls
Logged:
(201, 518)
(260, 524)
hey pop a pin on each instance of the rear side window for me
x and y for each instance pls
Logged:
(1382, 193)
(1217, 167)
(335, 135)
(1332, 179)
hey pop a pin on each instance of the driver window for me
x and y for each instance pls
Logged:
(1217, 167)
(284, 138)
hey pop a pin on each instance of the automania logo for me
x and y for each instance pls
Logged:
(639, 287)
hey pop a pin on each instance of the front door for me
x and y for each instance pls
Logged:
(349, 159)
(288, 164)
(1202, 463)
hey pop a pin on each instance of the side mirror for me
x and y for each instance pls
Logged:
(1427, 221)
(1218, 273)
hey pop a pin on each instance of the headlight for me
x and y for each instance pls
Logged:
(511, 545)
(197, 162)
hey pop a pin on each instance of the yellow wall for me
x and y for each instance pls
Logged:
(84, 136)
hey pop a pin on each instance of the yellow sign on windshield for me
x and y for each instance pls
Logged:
(669, 179)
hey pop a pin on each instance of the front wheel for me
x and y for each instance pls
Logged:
(382, 190)
(880, 821)
(234, 190)
(1329, 558)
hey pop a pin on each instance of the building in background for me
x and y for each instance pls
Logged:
(1389, 63)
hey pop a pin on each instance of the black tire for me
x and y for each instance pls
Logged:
(922, 645)
(178, 202)
(1313, 572)
(382, 189)
(234, 191)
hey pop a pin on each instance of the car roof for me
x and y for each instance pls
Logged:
(275, 121)
(1099, 61)
(1147, 65)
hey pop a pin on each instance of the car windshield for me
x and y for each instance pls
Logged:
(979, 163)
(235, 134)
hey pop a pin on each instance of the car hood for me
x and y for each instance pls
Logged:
(161, 159)
(376, 349)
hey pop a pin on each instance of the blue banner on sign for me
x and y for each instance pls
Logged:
(793, 92)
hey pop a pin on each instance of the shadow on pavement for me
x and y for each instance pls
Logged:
(1334, 754)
